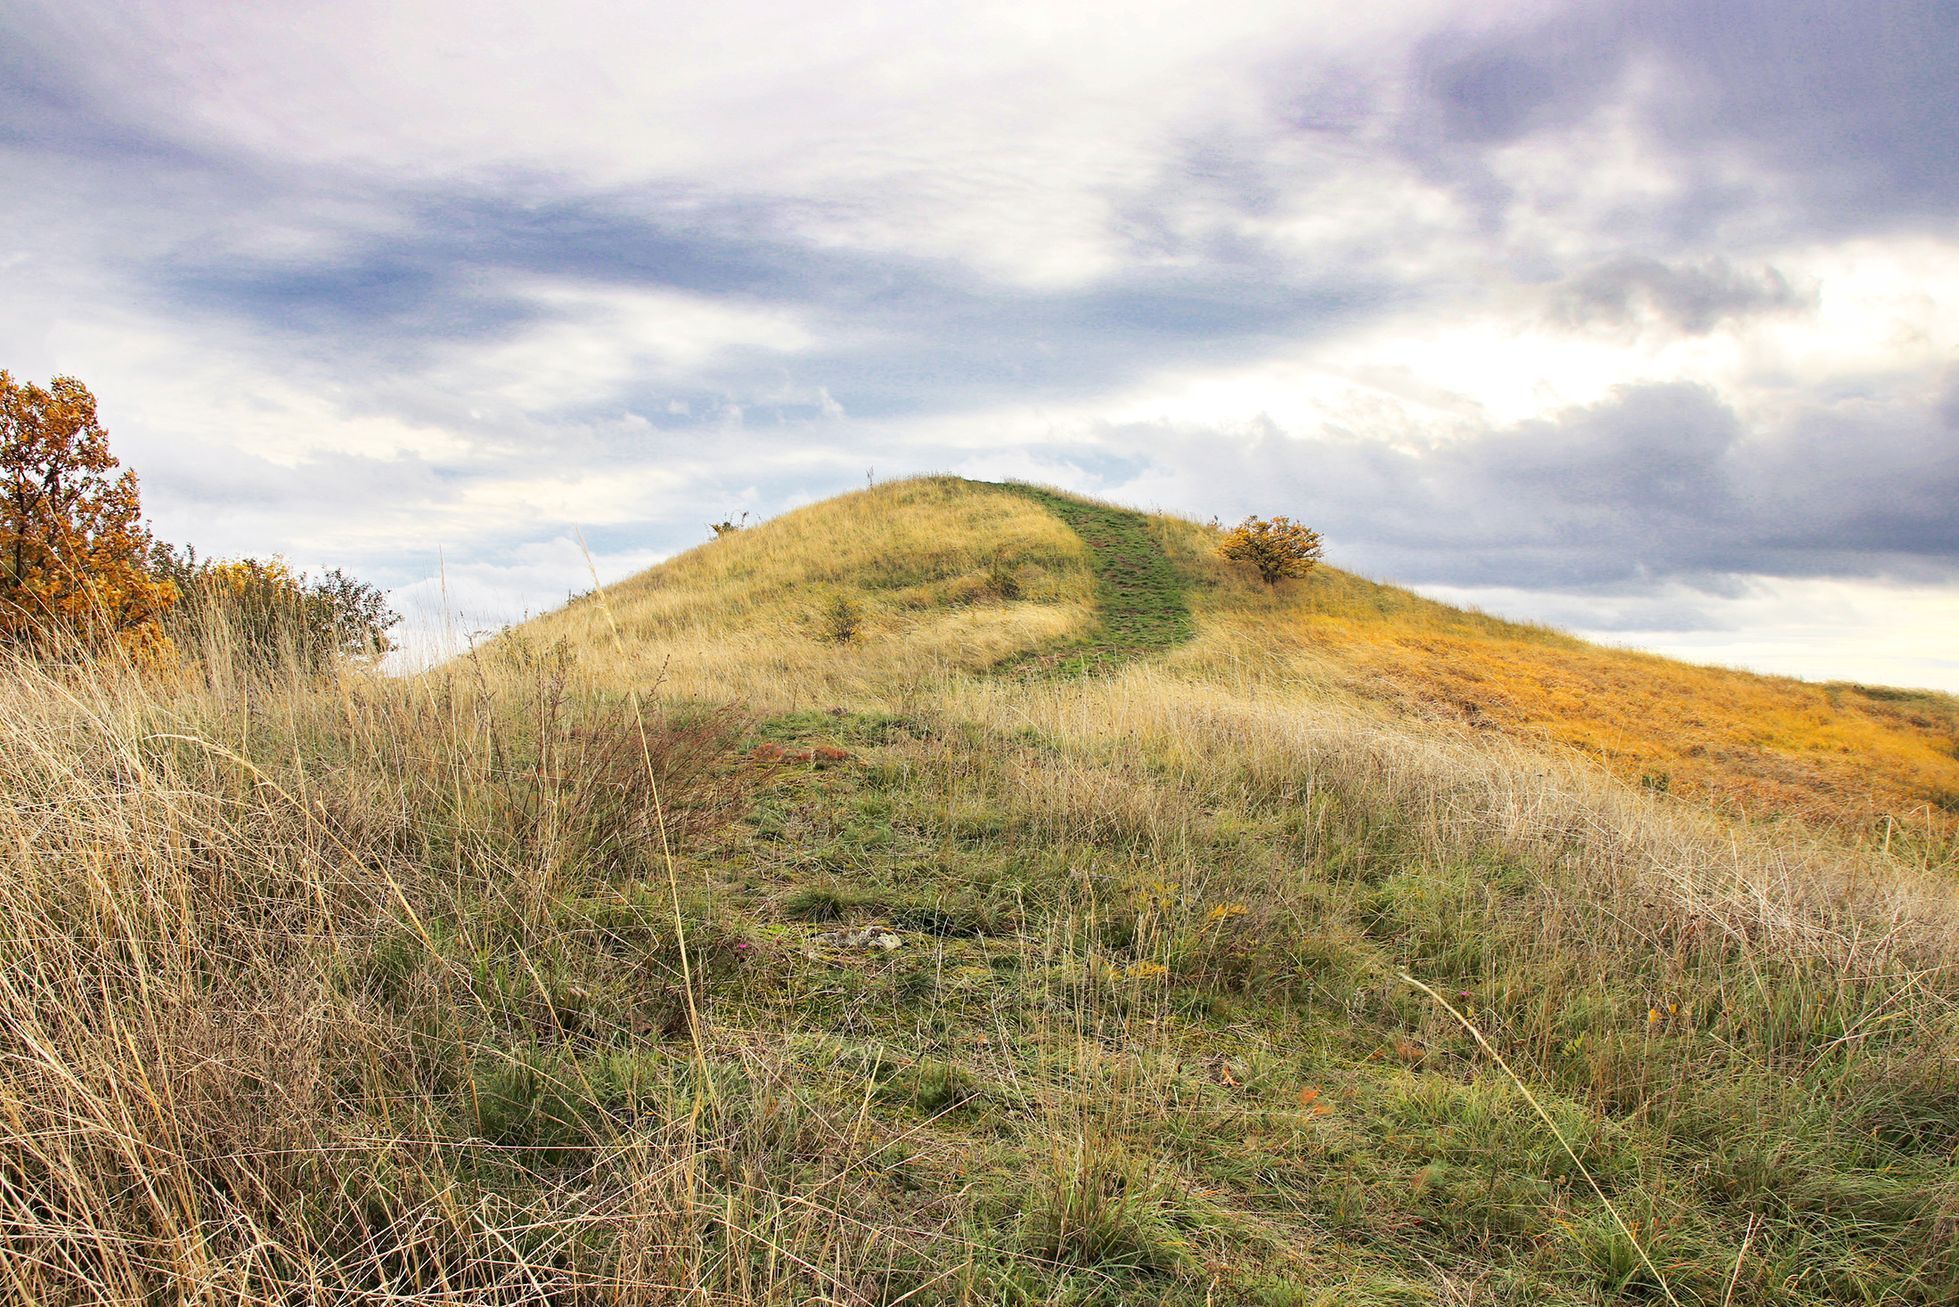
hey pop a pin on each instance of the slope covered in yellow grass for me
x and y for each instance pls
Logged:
(948, 577)
(1863, 757)
(941, 575)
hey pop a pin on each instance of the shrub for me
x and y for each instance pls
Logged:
(842, 619)
(262, 609)
(1278, 547)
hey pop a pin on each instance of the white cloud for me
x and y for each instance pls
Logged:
(997, 134)
(359, 280)
(588, 341)
(1814, 628)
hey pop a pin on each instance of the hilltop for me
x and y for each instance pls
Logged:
(966, 893)
(1096, 586)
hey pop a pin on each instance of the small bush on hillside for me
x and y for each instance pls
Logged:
(727, 526)
(842, 620)
(270, 614)
(1278, 547)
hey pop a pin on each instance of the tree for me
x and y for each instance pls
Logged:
(73, 546)
(1278, 547)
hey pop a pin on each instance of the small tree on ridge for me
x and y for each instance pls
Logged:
(1278, 547)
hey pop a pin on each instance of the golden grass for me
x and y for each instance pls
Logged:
(1753, 745)
(204, 1097)
(743, 615)
(1845, 756)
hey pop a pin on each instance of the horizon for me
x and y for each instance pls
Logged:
(1637, 324)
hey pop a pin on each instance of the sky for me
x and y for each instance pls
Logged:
(1642, 320)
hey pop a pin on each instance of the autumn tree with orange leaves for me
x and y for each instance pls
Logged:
(1276, 547)
(73, 545)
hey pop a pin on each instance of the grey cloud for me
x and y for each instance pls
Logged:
(1854, 105)
(900, 335)
(1497, 93)
(1847, 112)
(1659, 484)
(1860, 478)
(1692, 297)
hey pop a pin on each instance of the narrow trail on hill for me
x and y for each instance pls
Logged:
(1138, 592)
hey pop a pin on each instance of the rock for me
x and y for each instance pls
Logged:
(871, 937)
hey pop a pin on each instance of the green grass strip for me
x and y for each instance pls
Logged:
(1139, 594)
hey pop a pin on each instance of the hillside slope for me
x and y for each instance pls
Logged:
(1090, 927)
(1849, 756)
(1095, 586)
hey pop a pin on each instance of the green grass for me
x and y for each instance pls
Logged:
(1176, 1137)
(1139, 594)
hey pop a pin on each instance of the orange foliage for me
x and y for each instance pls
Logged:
(73, 547)
(1277, 547)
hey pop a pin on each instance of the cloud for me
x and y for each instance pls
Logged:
(1657, 484)
(1781, 626)
(1630, 306)
(1693, 298)
(1785, 115)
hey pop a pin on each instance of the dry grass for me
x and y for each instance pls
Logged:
(745, 614)
(361, 989)
(1690, 872)
(1854, 758)
(289, 995)
(1751, 744)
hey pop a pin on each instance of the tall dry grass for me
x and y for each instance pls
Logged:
(359, 989)
(277, 955)
(1688, 869)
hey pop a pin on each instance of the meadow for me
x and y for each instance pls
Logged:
(1093, 925)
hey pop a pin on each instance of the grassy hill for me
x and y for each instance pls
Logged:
(1095, 587)
(1091, 926)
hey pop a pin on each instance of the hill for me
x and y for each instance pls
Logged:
(1090, 926)
(1095, 585)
